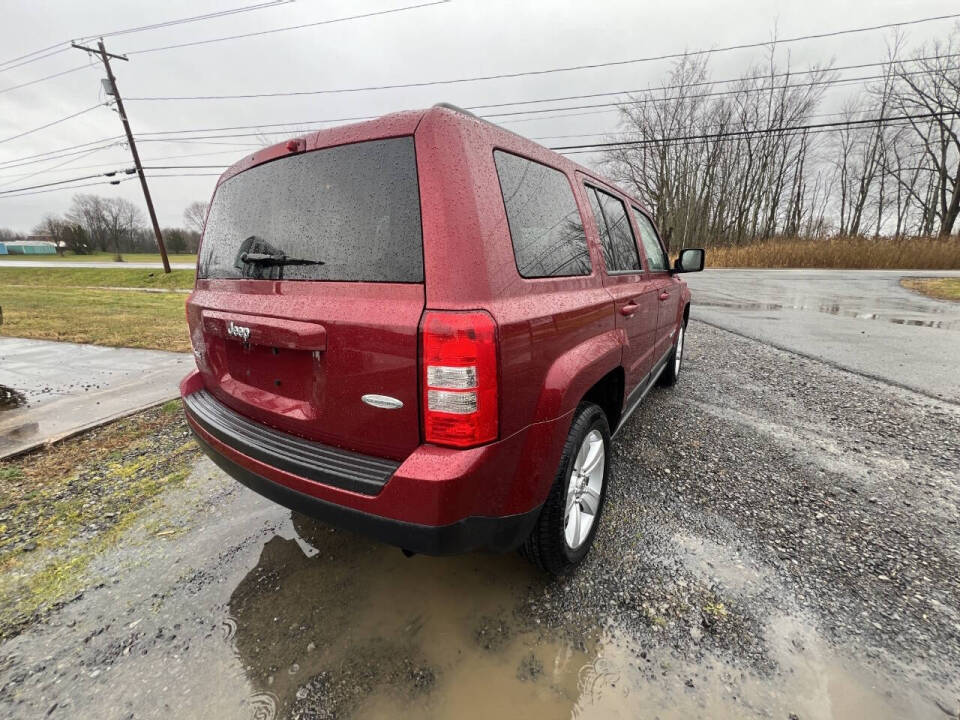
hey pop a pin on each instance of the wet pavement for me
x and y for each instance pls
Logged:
(764, 553)
(50, 390)
(860, 320)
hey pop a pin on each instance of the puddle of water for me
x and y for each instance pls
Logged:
(331, 624)
(837, 309)
(11, 399)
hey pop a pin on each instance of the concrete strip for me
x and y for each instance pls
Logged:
(65, 388)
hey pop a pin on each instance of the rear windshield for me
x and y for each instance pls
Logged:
(347, 213)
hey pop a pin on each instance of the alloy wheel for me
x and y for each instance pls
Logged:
(584, 490)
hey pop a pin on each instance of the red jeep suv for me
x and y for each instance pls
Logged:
(426, 328)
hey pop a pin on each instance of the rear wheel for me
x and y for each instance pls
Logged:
(671, 372)
(568, 522)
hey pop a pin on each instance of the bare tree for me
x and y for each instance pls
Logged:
(195, 215)
(721, 166)
(88, 212)
(928, 91)
(121, 220)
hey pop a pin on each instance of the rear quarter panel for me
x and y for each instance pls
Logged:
(551, 329)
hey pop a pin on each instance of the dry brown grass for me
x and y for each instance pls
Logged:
(921, 253)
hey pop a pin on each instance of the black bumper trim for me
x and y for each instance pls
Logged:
(306, 458)
(499, 534)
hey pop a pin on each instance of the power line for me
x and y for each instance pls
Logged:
(35, 59)
(51, 124)
(29, 54)
(746, 78)
(15, 194)
(300, 125)
(58, 182)
(331, 21)
(44, 78)
(784, 130)
(737, 91)
(55, 154)
(58, 189)
(65, 45)
(879, 121)
(526, 73)
(23, 176)
(182, 167)
(54, 168)
(192, 18)
(220, 136)
(541, 100)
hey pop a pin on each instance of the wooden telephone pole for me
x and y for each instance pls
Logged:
(105, 58)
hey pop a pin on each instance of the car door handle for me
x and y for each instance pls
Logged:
(664, 295)
(629, 309)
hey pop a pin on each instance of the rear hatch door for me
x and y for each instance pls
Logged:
(310, 292)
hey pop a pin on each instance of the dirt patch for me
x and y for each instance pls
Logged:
(61, 506)
(11, 399)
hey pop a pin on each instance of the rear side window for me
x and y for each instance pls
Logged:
(545, 224)
(355, 208)
(616, 237)
(656, 258)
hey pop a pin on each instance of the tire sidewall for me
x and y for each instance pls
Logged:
(592, 419)
(678, 352)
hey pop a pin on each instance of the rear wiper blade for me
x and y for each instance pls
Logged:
(276, 259)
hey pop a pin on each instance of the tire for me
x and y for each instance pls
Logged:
(548, 546)
(671, 373)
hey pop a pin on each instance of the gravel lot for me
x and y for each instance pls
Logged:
(781, 540)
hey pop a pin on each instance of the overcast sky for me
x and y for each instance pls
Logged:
(461, 38)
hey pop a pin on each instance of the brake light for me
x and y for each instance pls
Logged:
(460, 393)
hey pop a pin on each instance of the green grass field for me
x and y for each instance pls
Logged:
(945, 288)
(103, 257)
(60, 277)
(73, 305)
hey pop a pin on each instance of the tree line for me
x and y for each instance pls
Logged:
(94, 223)
(760, 159)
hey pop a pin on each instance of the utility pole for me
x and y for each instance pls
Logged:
(105, 57)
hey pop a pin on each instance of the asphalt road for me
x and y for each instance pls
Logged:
(859, 320)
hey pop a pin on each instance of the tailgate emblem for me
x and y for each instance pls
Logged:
(238, 331)
(384, 402)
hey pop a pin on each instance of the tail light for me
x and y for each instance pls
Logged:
(460, 393)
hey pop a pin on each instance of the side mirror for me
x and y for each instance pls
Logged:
(690, 260)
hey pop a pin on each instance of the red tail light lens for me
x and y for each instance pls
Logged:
(460, 394)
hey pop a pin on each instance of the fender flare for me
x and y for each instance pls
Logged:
(575, 371)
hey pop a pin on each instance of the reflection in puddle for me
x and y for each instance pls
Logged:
(11, 399)
(328, 624)
(836, 309)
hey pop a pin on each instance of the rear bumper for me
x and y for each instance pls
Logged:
(500, 534)
(438, 501)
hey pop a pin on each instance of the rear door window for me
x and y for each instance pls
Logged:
(545, 224)
(354, 208)
(616, 237)
(656, 257)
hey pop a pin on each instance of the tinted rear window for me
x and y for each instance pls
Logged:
(616, 237)
(545, 224)
(355, 207)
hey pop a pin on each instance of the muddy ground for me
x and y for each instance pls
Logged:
(781, 541)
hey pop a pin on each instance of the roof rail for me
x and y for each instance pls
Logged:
(455, 108)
